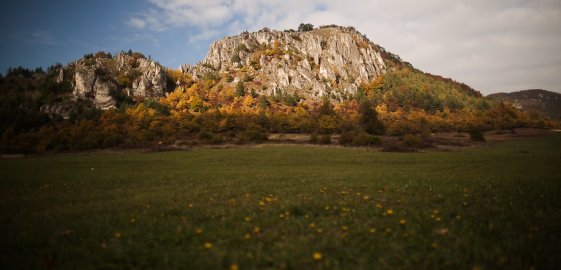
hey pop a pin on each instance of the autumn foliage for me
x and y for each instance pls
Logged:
(216, 110)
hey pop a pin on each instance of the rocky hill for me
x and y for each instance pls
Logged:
(325, 81)
(106, 81)
(329, 60)
(541, 101)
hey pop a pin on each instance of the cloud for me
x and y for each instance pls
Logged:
(43, 38)
(137, 23)
(203, 35)
(490, 45)
(148, 20)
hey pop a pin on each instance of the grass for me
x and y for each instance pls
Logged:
(285, 207)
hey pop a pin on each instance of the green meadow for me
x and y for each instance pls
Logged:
(496, 206)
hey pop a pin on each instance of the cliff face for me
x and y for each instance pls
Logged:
(330, 60)
(103, 79)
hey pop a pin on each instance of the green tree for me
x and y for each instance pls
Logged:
(326, 107)
(240, 91)
(369, 118)
(305, 27)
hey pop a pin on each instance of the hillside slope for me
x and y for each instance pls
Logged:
(540, 101)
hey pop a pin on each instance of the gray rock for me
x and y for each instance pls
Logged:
(147, 79)
(311, 63)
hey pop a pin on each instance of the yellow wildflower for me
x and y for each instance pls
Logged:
(316, 256)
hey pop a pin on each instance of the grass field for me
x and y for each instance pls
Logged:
(291, 207)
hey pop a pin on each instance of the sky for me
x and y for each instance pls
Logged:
(493, 46)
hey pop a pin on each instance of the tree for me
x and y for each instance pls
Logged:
(305, 27)
(240, 91)
(369, 118)
(326, 107)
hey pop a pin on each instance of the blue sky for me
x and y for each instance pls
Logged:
(41, 33)
(500, 45)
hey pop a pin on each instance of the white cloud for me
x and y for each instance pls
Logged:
(137, 23)
(490, 45)
(150, 19)
(203, 35)
(43, 38)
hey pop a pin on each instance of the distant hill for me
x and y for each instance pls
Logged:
(537, 100)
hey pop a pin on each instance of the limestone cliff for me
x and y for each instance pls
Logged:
(104, 80)
(326, 61)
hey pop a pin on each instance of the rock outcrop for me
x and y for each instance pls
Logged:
(89, 86)
(104, 80)
(326, 61)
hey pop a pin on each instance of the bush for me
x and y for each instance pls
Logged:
(217, 139)
(205, 136)
(346, 138)
(236, 58)
(255, 136)
(240, 91)
(476, 135)
(411, 140)
(305, 27)
(365, 139)
(314, 138)
(325, 139)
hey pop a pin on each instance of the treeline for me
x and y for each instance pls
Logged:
(215, 110)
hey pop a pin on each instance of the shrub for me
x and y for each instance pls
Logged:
(325, 139)
(104, 55)
(252, 136)
(411, 140)
(236, 58)
(217, 139)
(211, 76)
(365, 139)
(346, 138)
(263, 102)
(241, 47)
(205, 136)
(240, 91)
(476, 135)
(314, 138)
(306, 27)
(247, 78)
